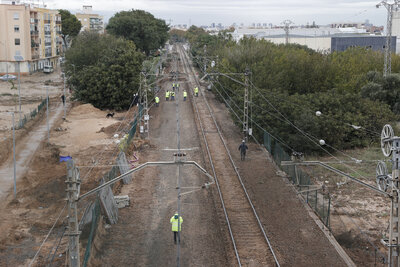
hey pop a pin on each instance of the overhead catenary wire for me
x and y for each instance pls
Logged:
(239, 177)
(297, 128)
(309, 136)
(215, 176)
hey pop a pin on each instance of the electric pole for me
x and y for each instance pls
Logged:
(246, 105)
(387, 68)
(143, 97)
(286, 24)
(73, 188)
(390, 145)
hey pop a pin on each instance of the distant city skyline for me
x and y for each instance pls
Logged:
(205, 12)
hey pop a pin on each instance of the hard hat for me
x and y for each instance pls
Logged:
(243, 141)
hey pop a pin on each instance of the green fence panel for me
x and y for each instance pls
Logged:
(320, 203)
(95, 222)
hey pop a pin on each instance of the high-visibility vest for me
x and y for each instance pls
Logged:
(184, 94)
(172, 93)
(175, 223)
(167, 94)
(173, 84)
(177, 85)
(196, 90)
(157, 99)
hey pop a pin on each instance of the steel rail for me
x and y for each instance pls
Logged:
(213, 169)
(234, 166)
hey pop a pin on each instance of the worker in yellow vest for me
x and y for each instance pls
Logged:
(196, 91)
(184, 95)
(173, 86)
(176, 222)
(172, 96)
(157, 99)
(177, 86)
(167, 95)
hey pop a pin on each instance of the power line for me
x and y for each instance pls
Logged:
(47, 236)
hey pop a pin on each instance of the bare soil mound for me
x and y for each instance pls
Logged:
(85, 109)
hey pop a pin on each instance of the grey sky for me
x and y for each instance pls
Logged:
(204, 12)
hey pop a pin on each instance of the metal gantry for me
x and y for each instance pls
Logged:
(143, 100)
(390, 145)
(387, 69)
(286, 26)
(246, 105)
(387, 184)
(73, 197)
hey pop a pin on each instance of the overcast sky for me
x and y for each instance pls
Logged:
(204, 12)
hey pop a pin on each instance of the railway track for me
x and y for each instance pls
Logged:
(249, 239)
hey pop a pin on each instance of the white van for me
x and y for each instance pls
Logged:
(48, 69)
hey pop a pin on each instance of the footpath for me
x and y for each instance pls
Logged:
(25, 149)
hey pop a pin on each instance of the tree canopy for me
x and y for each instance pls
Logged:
(298, 81)
(71, 26)
(104, 70)
(141, 27)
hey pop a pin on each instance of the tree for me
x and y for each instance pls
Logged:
(141, 27)
(104, 70)
(298, 81)
(71, 26)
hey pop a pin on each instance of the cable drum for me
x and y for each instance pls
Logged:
(386, 140)
(383, 179)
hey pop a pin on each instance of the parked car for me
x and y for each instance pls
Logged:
(8, 77)
(48, 69)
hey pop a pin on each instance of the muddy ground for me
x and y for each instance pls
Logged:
(41, 191)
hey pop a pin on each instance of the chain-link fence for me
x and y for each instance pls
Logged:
(96, 212)
(318, 201)
(31, 115)
(93, 228)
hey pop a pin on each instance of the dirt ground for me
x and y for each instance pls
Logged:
(143, 234)
(33, 91)
(143, 237)
(41, 191)
(359, 216)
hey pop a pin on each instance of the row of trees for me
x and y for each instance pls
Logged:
(345, 86)
(104, 69)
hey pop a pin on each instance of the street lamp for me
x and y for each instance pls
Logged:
(19, 59)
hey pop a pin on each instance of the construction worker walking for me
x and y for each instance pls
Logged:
(172, 96)
(196, 91)
(157, 100)
(173, 86)
(176, 226)
(243, 149)
(167, 95)
(177, 86)
(184, 95)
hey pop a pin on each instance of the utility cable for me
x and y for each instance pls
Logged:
(305, 134)
(259, 126)
(47, 236)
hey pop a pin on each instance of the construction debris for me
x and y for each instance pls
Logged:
(122, 201)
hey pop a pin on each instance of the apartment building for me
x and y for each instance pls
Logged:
(31, 32)
(90, 21)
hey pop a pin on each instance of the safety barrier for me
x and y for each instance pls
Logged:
(31, 115)
(319, 201)
(96, 208)
(95, 222)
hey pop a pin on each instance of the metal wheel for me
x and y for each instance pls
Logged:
(386, 142)
(383, 180)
